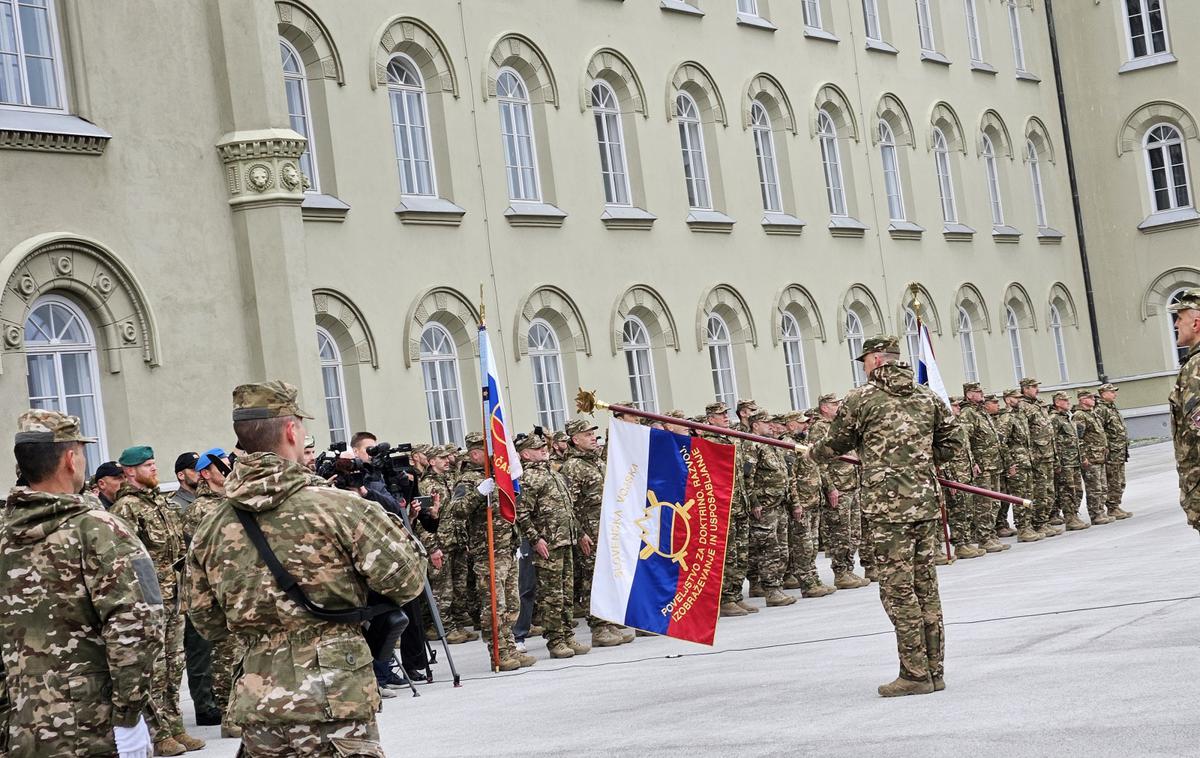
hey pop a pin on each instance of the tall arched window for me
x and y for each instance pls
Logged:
(793, 362)
(639, 364)
(974, 42)
(1035, 178)
(925, 26)
(30, 59)
(912, 338)
(546, 358)
(60, 357)
(443, 390)
(1060, 345)
(335, 387)
(1178, 353)
(764, 152)
(410, 127)
(966, 344)
(854, 341)
(941, 159)
(831, 160)
(1014, 28)
(871, 20)
(695, 162)
(720, 357)
(1014, 343)
(993, 181)
(295, 86)
(611, 141)
(1146, 27)
(516, 129)
(1166, 166)
(891, 172)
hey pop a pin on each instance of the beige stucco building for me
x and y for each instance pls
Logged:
(662, 200)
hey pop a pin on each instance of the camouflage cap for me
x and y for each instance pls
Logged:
(136, 455)
(956, 399)
(530, 442)
(676, 413)
(1082, 393)
(971, 387)
(790, 416)
(884, 344)
(559, 436)
(1012, 392)
(422, 448)
(1029, 382)
(1189, 300)
(442, 451)
(579, 424)
(473, 439)
(1060, 395)
(991, 397)
(261, 400)
(828, 398)
(758, 416)
(309, 441)
(812, 414)
(37, 425)
(716, 409)
(1108, 387)
(747, 403)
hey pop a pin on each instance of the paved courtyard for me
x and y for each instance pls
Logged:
(1081, 645)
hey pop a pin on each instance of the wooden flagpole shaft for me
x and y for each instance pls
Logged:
(487, 473)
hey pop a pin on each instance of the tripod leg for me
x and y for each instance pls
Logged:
(441, 630)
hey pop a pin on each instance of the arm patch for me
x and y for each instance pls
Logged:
(147, 579)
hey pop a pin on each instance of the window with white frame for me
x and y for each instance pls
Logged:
(945, 175)
(335, 387)
(61, 362)
(831, 162)
(812, 13)
(1060, 344)
(611, 141)
(892, 183)
(516, 130)
(966, 345)
(295, 85)
(410, 127)
(974, 40)
(1177, 353)
(854, 341)
(793, 362)
(545, 356)
(1014, 28)
(639, 364)
(748, 7)
(993, 181)
(1166, 169)
(764, 153)
(925, 26)
(443, 390)
(695, 162)
(1012, 327)
(1146, 27)
(912, 336)
(30, 56)
(1035, 179)
(720, 358)
(871, 20)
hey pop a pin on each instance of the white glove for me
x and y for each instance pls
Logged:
(486, 487)
(133, 741)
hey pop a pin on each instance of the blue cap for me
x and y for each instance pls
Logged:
(207, 457)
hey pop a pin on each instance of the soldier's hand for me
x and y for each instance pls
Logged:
(1085, 464)
(585, 544)
(437, 504)
(541, 549)
(486, 487)
(834, 496)
(976, 469)
(798, 513)
(756, 513)
(1012, 470)
(437, 558)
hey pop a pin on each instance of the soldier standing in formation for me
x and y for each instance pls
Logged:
(456, 563)
(435, 485)
(1041, 449)
(1014, 436)
(771, 498)
(988, 461)
(737, 547)
(1118, 450)
(1067, 481)
(1185, 405)
(1093, 451)
(965, 534)
(803, 532)
(842, 519)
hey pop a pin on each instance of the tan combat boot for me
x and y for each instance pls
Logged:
(966, 552)
(229, 730)
(733, 610)
(457, 637)
(1101, 520)
(818, 590)
(1058, 520)
(756, 590)
(577, 647)
(745, 606)
(939, 684)
(622, 633)
(1005, 531)
(602, 636)
(902, 686)
(509, 664)
(848, 580)
(525, 660)
(994, 546)
(189, 742)
(940, 559)
(790, 582)
(776, 599)
(1048, 530)
(1027, 534)
(1119, 513)
(1075, 524)
(560, 650)
(169, 747)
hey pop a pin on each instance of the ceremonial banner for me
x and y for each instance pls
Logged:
(660, 558)
(927, 368)
(506, 464)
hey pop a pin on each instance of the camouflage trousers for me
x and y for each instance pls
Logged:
(442, 584)
(985, 507)
(802, 547)
(1021, 485)
(456, 611)
(168, 674)
(960, 512)
(1069, 491)
(843, 531)
(1095, 483)
(736, 560)
(331, 739)
(908, 589)
(1043, 492)
(769, 547)
(226, 666)
(585, 567)
(555, 594)
(1114, 474)
(508, 600)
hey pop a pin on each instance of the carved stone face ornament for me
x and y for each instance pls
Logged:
(290, 176)
(259, 177)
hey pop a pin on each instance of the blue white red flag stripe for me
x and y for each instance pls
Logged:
(927, 368)
(506, 464)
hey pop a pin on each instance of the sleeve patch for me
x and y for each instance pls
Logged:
(459, 490)
(147, 579)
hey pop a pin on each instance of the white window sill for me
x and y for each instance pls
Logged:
(1167, 220)
(1147, 61)
(432, 211)
(50, 132)
(955, 232)
(678, 6)
(1048, 235)
(1005, 233)
(983, 67)
(933, 56)
(815, 32)
(625, 217)
(905, 230)
(521, 214)
(318, 207)
(847, 226)
(713, 222)
(1026, 76)
(879, 46)
(757, 22)
(783, 224)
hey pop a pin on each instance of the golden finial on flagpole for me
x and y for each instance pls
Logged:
(915, 290)
(586, 402)
(481, 306)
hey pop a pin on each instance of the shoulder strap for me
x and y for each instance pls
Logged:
(292, 588)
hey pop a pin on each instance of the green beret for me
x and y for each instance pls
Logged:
(136, 455)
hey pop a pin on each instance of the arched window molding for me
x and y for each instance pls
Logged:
(732, 307)
(556, 306)
(415, 38)
(969, 298)
(892, 110)
(609, 68)
(766, 89)
(516, 51)
(1061, 298)
(333, 381)
(993, 127)
(614, 68)
(1017, 298)
(1133, 130)
(862, 301)
(1036, 131)
(929, 312)
(942, 117)
(834, 102)
(693, 78)
(453, 311)
(312, 40)
(797, 300)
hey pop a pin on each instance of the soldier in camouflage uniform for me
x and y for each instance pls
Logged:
(843, 519)
(1068, 483)
(772, 500)
(803, 532)
(1041, 449)
(965, 534)
(737, 545)
(160, 527)
(463, 601)
(1118, 450)
(80, 609)
(435, 484)
(1184, 402)
(307, 685)
(1093, 450)
(977, 417)
(901, 432)
(1014, 436)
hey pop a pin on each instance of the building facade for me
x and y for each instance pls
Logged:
(667, 201)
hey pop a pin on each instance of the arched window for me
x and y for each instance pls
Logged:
(925, 26)
(639, 364)
(410, 127)
(695, 162)
(611, 140)
(764, 152)
(831, 160)
(974, 40)
(516, 129)
(966, 344)
(546, 358)
(941, 159)
(993, 181)
(1166, 166)
(295, 86)
(1035, 178)
(1014, 343)
(912, 337)
(720, 357)
(1146, 27)
(443, 390)
(1014, 28)
(335, 387)
(871, 20)
(854, 341)
(891, 172)
(793, 362)
(1178, 353)
(60, 357)
(30, 59)
(1060, 345)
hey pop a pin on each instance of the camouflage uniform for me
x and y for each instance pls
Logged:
(1093, 449)
(1014, 436)
(584, 472)
(545, 511)
(1041, 448)
(1066, 465)
(988, 455)
(1118, 451)
(737, 546)
(769, 488)
(803, 532)
(440, 580)
(964, 530)
(1185, 425)
(843, 524)
(901, 431)
(452, 533)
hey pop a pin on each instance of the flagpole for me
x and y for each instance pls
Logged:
(487, 473)
(914, 288)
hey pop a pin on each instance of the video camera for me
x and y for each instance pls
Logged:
(394, 464)
(347, 473)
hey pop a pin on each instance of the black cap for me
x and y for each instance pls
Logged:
(186, 461)
(109, 468)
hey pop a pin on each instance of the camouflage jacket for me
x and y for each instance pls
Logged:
(1093, 443)
(181, 499)
(80, 624)
(768, 480)
(1066, 440)
(205, 503)
(297, 668)
(806, 477)
(960, 467)
(1114, 430)
(160, 528)
(1041, 431)
(739, 504)
(1014, 437)
(584, 473)
(545, 509)
(835, 475)
(985, 441)
(430, 484)
(901, 431)
(471, 507)
(1185, 431)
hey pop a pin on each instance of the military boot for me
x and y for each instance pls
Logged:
(848, 580)
(621, 633)
(1005, 531)
(756, 590)
(189, 742)
(939, 684)
(169, 747)
(229, 730)
(817, 590)
(1101, 520)
(536, 630)
(581, 611)
(1048, 530)
(560, 650)
(1119, 513)
(733, 609)
(1027, 534)
(1058, 520)
(868, 576)
(525, 660)
(602, 636)
(790, 582)
(745, 606)
(577, 647)
(940, 559)
(1075, 524)
(457, 637)
(509, 664)
(966, 552)
(902, 686)
(993, 546)
(776, 599)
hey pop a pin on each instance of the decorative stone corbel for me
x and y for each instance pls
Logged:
(262, 168)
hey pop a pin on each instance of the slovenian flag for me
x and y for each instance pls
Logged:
(660, 559)
(506, 464)
(927, 368)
